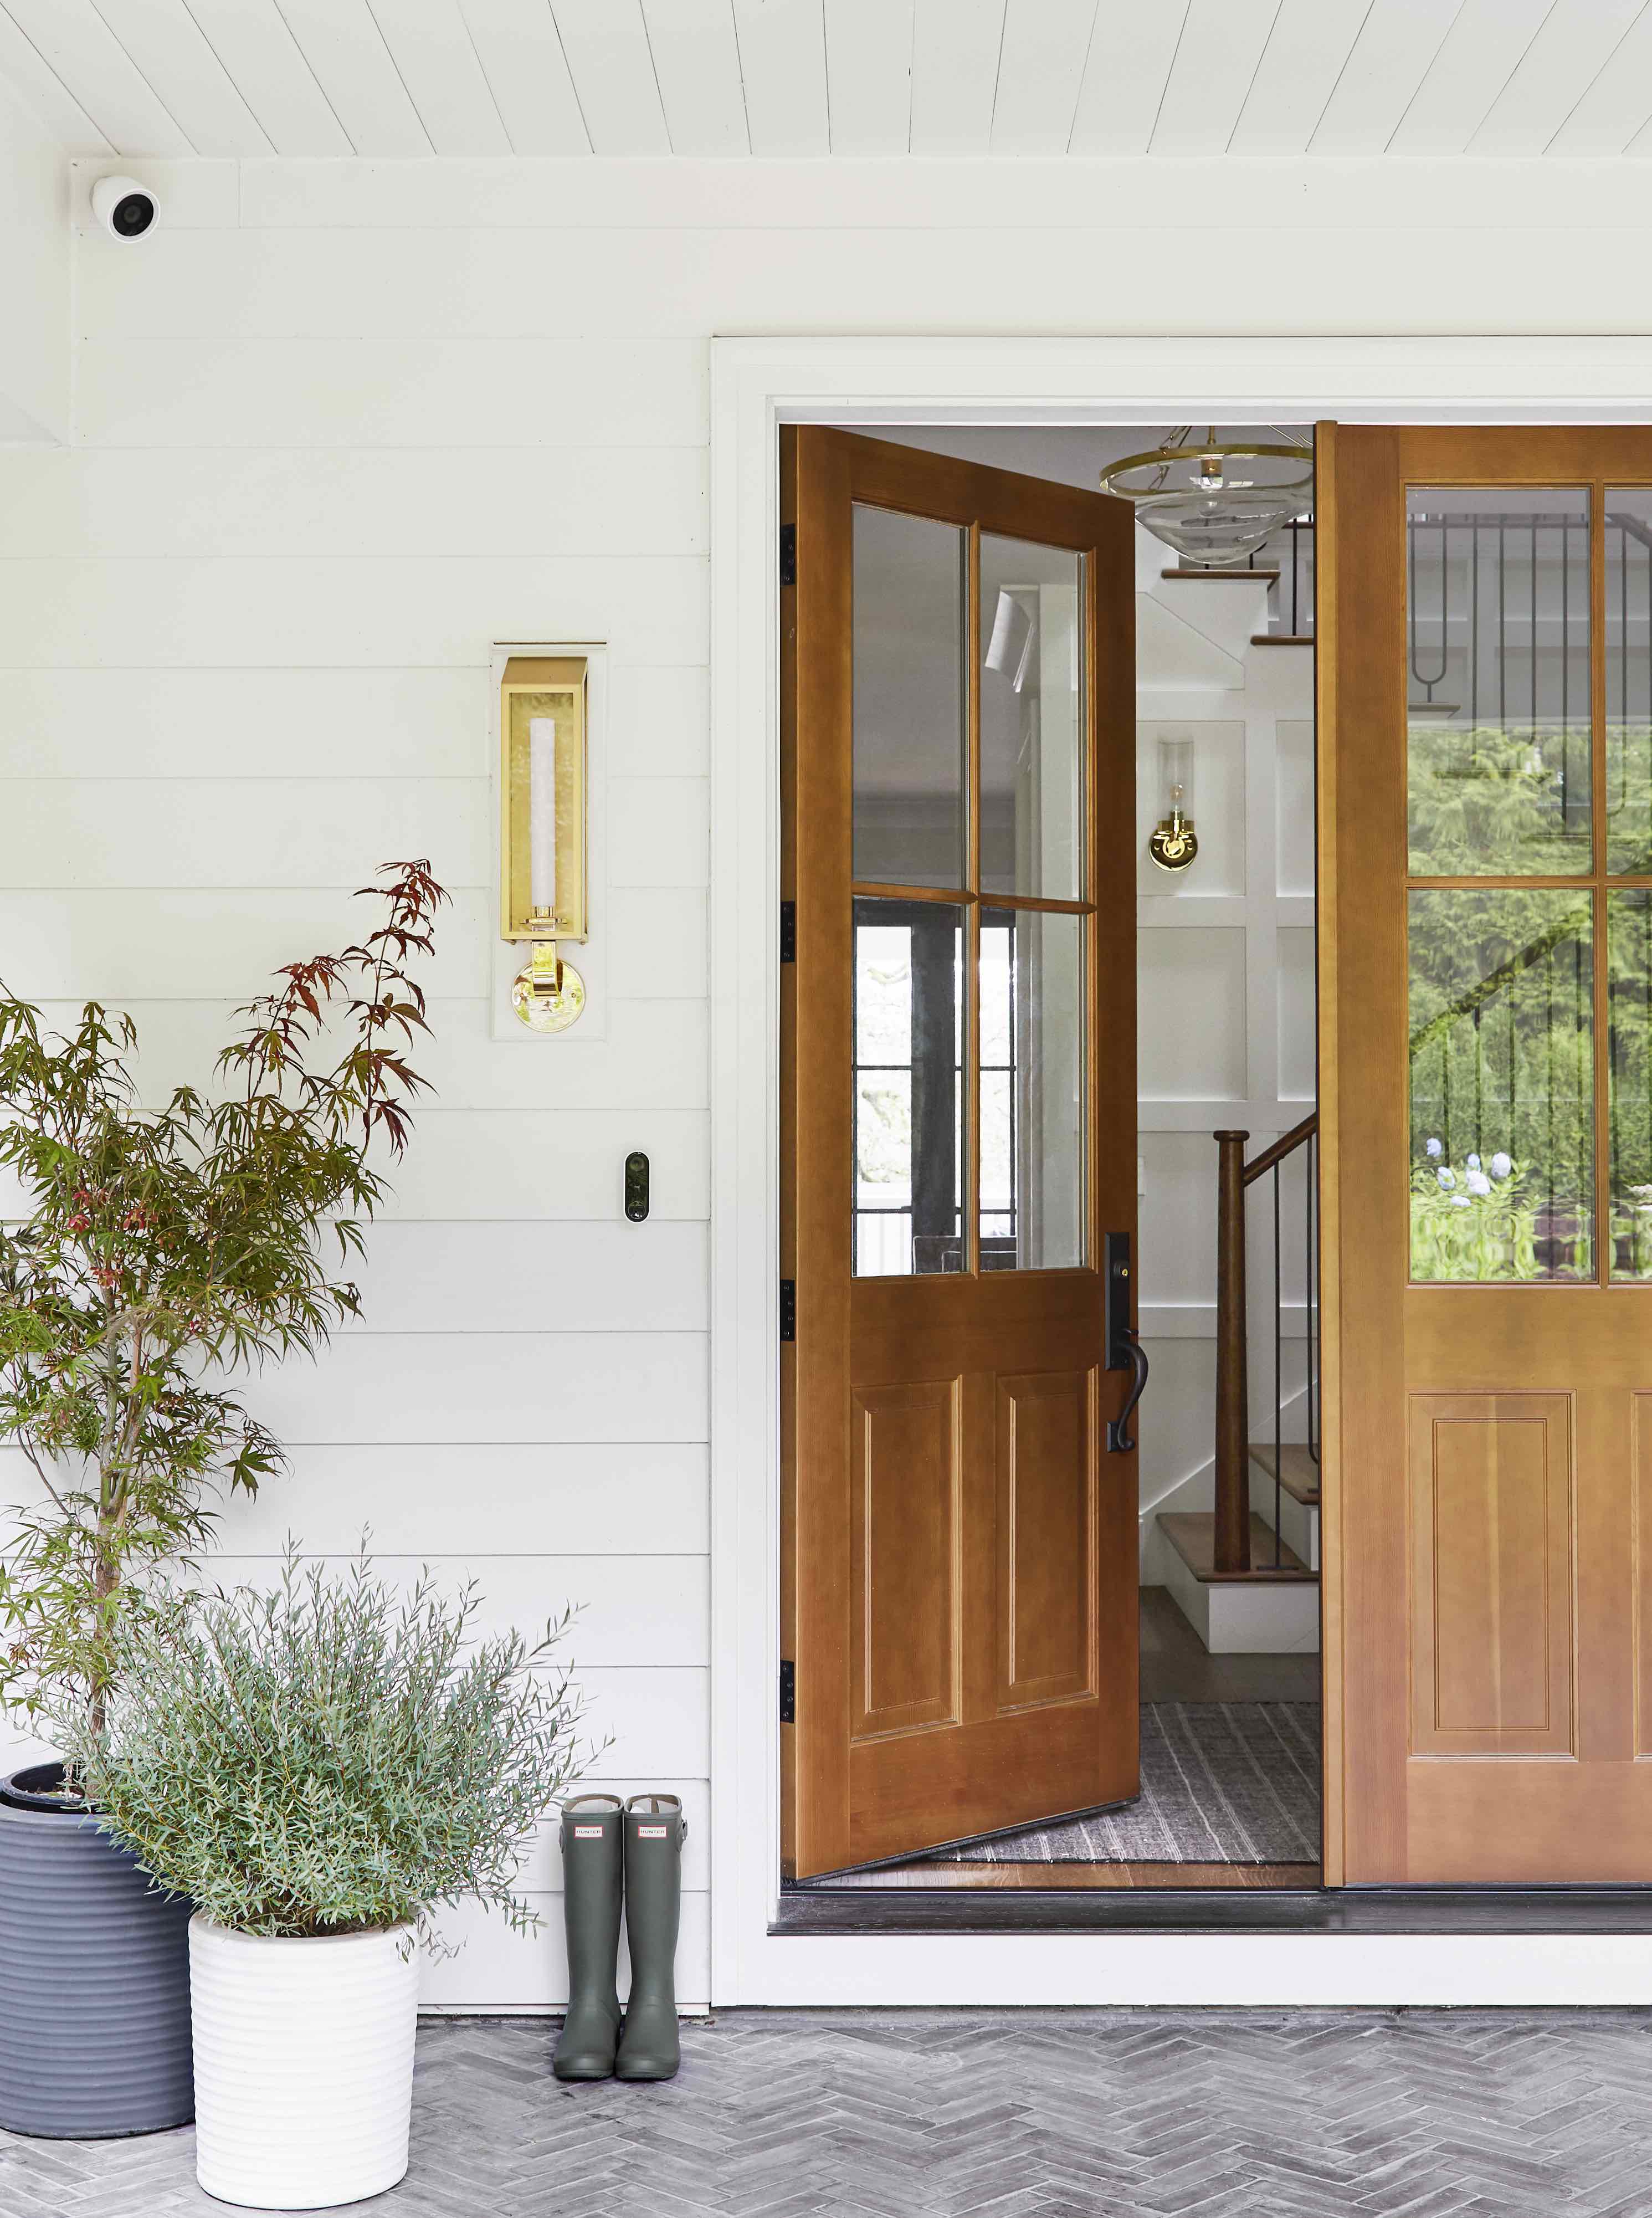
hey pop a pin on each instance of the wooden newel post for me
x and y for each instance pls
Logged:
(1232, 1525)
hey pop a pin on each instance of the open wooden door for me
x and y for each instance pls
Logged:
(958, 1059)
(1486, 1104)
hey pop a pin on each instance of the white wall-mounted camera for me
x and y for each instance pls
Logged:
(124, 207)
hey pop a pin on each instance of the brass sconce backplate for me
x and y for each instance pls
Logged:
(1173, 843)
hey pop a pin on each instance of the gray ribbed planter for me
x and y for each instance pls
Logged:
(94, 1980)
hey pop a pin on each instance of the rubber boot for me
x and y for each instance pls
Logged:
(592, 1861)
(653, 1903)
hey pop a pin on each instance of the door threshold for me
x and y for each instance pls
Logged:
(805, 1912)
(1047, 1878)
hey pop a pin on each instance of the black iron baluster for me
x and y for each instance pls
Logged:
(1278, 1386)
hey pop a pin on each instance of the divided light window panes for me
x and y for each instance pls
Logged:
(911, 739)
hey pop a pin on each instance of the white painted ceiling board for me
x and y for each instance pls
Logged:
(1040, 71)
(341, 41)
(1395, 48)
(78, 47)
(520, 49)
(1132, 49)
(45, 95)
(430, 45)
(260, 55)
(607, 48)
(868, 76)
(782, 67)
(1617, 107)
(1478, 56)
(1221, 45)
(697, 69)
(167, 44)
(1578, 40)
(955, 50)
(1308, 44)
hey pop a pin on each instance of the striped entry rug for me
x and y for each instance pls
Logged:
(1221, 1782)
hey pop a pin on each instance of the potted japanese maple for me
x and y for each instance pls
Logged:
(319, 1768)
(161, 1252)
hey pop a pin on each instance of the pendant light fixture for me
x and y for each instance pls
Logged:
(1216, 501)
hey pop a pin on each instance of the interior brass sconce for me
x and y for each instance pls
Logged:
(543, 893)
(1174, 844)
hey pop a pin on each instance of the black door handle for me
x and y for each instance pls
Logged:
(1120, 1440)
(1124, 1351)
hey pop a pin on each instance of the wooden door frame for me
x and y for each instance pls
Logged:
(758, 384)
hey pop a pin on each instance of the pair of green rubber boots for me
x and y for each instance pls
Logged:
(637, 1846)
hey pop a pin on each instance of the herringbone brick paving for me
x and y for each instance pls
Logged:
(994, 2114)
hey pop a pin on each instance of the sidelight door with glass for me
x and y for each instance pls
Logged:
(958, 1112)
(1485, 837)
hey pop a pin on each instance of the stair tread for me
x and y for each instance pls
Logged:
(1192, 1534)
(1267, 577)
(1282, 639)
(1301, 1476)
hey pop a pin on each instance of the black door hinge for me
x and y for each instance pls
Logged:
(789, 931)
(789, 553)
(788, 1308)
(789, 1694)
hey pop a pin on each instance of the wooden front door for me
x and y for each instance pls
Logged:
(1486, 1104)
(958, 1112)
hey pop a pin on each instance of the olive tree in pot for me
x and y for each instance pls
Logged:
(319, 1768)
(161, 1252)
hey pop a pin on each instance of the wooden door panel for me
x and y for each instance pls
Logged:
(1047, 1480)
(1492, 1574)
(903, 1558)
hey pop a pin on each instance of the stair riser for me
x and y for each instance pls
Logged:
(1299, 1521)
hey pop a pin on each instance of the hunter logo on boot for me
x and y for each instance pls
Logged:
(587, 1832)
(651, 1832)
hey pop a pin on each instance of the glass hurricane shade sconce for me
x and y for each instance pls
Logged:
(1215, 502)
(1173, 843)
(542, 720)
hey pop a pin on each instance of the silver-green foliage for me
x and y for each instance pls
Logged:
(330, 1756)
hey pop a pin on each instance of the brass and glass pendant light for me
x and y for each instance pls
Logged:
(1216, 501)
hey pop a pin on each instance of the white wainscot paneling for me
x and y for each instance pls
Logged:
(539, 500)
(286, 391)
(1218, 810)
(1296, 806)
(497, 1969)
(1191, 1017)
(613, 1276)
(587, 1498)
(1177, 1217)
(72, 832)
(525, 1164)
(1297, 1072)
(1178, 1413)
(328, 611)
(420, 1387)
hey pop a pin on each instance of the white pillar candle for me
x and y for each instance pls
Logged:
(542, 814)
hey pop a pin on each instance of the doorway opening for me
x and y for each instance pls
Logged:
(1227, 1692)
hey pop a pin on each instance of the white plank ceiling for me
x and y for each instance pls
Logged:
(722, 78)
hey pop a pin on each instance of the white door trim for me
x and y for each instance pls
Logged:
(757, 384)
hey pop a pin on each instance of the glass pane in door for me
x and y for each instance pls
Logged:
(1629, 1025)
(1032, 1080)
(1502, 1085)
(1497, 639)
(1032, 711)
(909, 1003)
(911, 747)
(1628, 678)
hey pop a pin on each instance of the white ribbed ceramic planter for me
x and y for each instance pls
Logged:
(304, 2065)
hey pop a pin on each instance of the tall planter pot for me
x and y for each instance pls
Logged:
(303, 2064)
(93, 1978)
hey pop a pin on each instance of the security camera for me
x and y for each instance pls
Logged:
(124, 207)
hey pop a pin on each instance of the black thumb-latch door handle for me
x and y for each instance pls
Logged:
(1124, 1350)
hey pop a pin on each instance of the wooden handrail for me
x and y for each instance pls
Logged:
(1233, 1479)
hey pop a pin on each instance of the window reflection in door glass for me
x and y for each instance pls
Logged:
(1032, 1167)
(1629, 1023)
(909, 1092)
(1628, 678)
(1032, 696)
(1498, 717)
(1502, 1085)
(910, 740)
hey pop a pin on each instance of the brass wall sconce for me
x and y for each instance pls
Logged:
(543, 718)
(1174, 843)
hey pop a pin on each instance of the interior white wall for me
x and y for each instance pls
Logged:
(340, 426)
(34, 281)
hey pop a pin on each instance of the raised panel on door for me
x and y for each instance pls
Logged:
(1492, 1576)
(903, 1556)
(1047, 1477)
